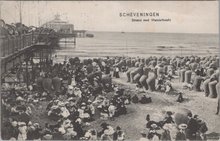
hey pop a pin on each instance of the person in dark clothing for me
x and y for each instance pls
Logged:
(115, 135)
(78, 128)
(181, 136)
(168, 119)
(192, 128)
(150, 122)
(57, 135)
(180, 98)
(107, 69)
(135, 99)
(145, 100)
(24, 117)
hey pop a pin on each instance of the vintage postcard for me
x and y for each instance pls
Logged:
(110, 70)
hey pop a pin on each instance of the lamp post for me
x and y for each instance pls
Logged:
(0, 10)
(20, 12)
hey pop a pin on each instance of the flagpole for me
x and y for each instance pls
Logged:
(20, 12)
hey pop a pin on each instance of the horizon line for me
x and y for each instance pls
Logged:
(152, 32)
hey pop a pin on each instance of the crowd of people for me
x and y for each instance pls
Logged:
(78, 90)
(18, 31)
(75, 90)
(193, 128)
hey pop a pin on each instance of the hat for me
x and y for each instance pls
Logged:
(21, 124)
(29, 123)
(19, 99)
(78, 120)
(36, 124)
(154, 126)
(62, 130)
(12, 139)
(70, 87)
(89, 101)
(14, 123)
(48, 137)
(61, 104)
(70, 99)
(182, 126)
(169, 113)
(83, 104)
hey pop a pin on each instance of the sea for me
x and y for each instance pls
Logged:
(139, 44)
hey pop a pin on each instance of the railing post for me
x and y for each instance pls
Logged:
(13, 45)
(8, 46)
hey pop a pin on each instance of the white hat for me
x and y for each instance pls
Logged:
(70, 87)
(154, 126)
(78, 120)
(62, 130)
(19, 98)
(182, 126)
(14, 123)
(48, 137)
(29, 123)
(83, 104)
(12, 139)
(61, 104)
(21, 124)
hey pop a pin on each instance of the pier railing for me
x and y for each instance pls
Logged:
(13, 44)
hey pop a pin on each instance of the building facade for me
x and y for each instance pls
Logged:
(59, 26)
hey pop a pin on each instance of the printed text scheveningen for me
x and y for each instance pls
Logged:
(139, 14)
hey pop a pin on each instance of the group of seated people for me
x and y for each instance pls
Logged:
(115, 106)
(167, 129)
(76, 91)
(72, 102)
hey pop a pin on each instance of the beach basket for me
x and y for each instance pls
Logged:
(142, 81)
(193, 66)
(188, 75)
(160, 70)
(182, 75)
(206, 87)
(39, 81)
(151, 81)
(212, 89)
(133, 63)
(133, 73)
(137, 64)
(128, 63)
(56, 82)
(197, 83)
(166, 69)
(180, 116)
(47, 84)
(210, 71)
(218, 89)
(146, 70)
(137, 77)
(128, 75)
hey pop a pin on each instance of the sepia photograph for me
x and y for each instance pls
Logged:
(109, 70)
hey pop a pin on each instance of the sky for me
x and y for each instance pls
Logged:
(186, 16)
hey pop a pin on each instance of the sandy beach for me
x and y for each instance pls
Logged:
(134, 121)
